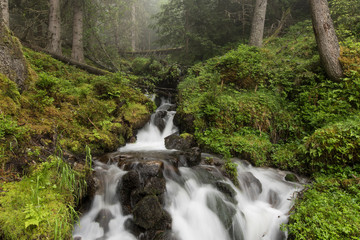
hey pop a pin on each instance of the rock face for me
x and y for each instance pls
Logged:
(159, 120)
(12, 61)
(249, 183)
(147, 212)
(175, 141)
(103, 218)
(141, 192)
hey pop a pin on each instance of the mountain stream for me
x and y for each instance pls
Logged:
(145, 191)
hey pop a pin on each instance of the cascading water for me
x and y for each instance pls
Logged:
(150, 137)
(201, 202)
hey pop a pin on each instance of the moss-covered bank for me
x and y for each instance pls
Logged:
(275, 107)
(44, 133)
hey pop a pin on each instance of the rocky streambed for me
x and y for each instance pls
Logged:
(148, 191)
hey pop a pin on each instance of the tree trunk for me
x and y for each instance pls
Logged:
(133, 29)
(4, 6)
(77, 53)
(54, 44)
(326, 39)
(258, 22)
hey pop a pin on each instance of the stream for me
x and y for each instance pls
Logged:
(145, 191)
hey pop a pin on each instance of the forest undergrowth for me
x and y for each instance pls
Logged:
(275, 107)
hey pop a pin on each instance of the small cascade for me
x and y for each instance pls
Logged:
(105, 219)
(178, 202)
(204, 208)
(151, 136)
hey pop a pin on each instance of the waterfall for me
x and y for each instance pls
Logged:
(201, 202)
(150, 137)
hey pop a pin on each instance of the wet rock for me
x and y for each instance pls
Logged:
(77, 238)
(159, 120)
(164, 235)
(136, 196)
(227, 190)
(165, 222)
(250, 184)
(208, 175)
(155, 186)
(174, 141)
(103, 218)
(193, 157)
(148, 169)
(129, 183)
(93, 184)
(224, 210)
(147, 212)
(130, 225)
(273, 198)
(235, 230)
(290, 177)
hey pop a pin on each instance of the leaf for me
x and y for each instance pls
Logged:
(31, 222)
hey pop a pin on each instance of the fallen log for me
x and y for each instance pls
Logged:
(88, 68)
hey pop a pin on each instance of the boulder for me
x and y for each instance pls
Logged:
(274, 199)
(224, 210)
(12, 61)
(103, 218)
(155, 186)
(250, 184)
(177, 142)
(159, 120)
(129, 183)
(227, 190)
(193, 156)
(130, 225)
(147, 212)
(148, 169)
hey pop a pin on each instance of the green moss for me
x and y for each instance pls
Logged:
(38, 206)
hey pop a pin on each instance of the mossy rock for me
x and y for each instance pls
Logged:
(12, 60)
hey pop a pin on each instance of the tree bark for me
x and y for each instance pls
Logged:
(4, 5)
(326, 39)
(133, 29)
(258, 23)
(77, 52)
(54, 28)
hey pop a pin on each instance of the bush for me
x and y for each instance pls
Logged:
(329, 209)
(335, 144)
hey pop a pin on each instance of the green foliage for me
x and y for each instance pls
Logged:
(231, 170)
(34, 207)
(336, 144)
(201, 27)
(346, 18)
(288, 156)
(330, 208)
(86, 109)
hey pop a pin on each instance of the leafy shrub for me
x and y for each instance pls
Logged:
(241, 67)
(329, 209)
(335, 144)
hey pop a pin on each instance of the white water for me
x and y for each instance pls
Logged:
(150, 138)
(192, 201)
(255, 218)
(105, 199)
